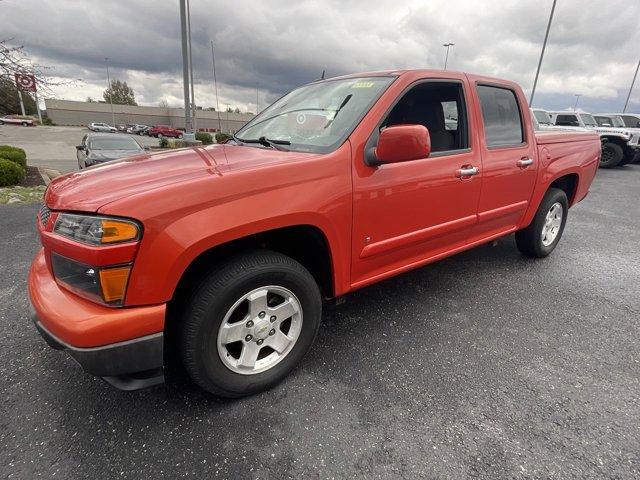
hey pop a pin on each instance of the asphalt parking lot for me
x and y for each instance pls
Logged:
(484, 365)
(52, 147)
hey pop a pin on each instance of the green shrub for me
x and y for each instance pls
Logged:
(164, 143)
(204, 137)
(46, 120)
(10, 173)
(222, 137)
(16, 155)
(9, 148)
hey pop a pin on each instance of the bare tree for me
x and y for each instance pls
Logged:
(14, 59)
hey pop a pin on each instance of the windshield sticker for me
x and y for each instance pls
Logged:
(363, 85)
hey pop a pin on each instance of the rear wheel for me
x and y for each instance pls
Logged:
(25, 124)
(540, 238)
(249, 323)
(612, 155)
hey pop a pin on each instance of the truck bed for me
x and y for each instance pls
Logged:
(549, 137)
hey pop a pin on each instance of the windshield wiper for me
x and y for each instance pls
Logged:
(344, 102)
(265, 141)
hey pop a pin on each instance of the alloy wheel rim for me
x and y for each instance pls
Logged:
(259, 330)
(552, 224)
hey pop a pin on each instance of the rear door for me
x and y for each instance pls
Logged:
(509, 158)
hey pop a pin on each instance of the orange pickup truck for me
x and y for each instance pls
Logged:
(221, 256)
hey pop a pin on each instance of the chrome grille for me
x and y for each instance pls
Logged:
(44, 214)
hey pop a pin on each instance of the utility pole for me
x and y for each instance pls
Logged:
(544, 46)
(575, 105)
(626, 103)
(188, 124)
(110, 90)
(35, 94)
(21, 103)
(446, 58)
(215, 86)
(257, 98)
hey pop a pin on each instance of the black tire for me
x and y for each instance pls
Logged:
(25, 124)
(529, 240)
(612, 155)
(204, 311)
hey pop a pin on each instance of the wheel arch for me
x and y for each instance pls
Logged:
(305, 243)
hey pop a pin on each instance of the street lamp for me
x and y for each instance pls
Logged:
(110, 90)
(626, 103)
(544, 46)
(575, 105)
(446, 58)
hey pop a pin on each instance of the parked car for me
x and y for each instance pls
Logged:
(630, 120)
(139, 129)
(224, 253)
(96, 148)
(17, 120)
(616, 146)
(101, 127)
(616, 121)
(164, 131)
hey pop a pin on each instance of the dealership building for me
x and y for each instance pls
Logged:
(68, 112)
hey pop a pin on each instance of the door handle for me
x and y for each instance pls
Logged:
(467, 171)
(524, 162)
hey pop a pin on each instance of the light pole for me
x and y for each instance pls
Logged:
(575, 105)
(188, 123)
(544, 46)
(215, 85)
(110, 90)
(626, 103)
(446, 58)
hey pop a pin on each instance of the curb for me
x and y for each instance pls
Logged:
(48, 174)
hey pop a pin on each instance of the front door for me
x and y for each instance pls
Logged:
(406, 213)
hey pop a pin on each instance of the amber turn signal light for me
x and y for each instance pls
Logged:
(114, 283)
(116, 231)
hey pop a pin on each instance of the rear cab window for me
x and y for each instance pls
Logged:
(501, 116)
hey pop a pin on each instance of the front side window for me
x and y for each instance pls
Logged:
(440, 107)
(617, 121)
(316, 117)
(501, 116)
(588, 120)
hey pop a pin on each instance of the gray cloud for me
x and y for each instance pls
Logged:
(277, 45)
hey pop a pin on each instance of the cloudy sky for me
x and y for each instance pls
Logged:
(273, 46)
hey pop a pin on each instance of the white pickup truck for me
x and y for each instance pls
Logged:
(619, 146)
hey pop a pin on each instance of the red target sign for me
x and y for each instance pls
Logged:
(25, 83)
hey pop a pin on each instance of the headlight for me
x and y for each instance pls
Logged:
(96, 230)
(104, 284)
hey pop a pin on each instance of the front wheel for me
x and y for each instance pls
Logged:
(611, 156)
(541, 237)
(249, 323)
(180, 136)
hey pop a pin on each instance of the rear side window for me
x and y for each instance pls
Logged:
(630, 121)
(567, 121)
(501, 116)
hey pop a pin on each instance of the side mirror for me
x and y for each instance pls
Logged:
(80, 147)
(401, 143)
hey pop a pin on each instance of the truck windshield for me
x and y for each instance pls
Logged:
(617, 121)
(542, 117)
(588, 120)
(317, 117)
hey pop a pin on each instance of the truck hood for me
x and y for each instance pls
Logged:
(88, 190)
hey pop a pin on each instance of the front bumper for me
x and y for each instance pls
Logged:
(122, 345)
